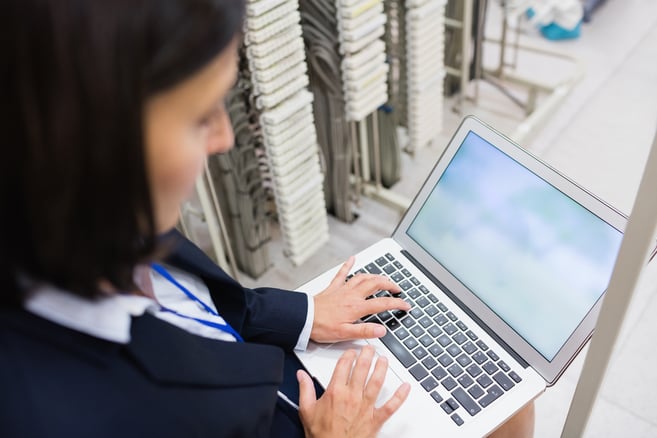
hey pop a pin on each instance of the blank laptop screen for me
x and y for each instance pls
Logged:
(537, 258)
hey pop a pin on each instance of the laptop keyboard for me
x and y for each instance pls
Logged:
(460, 372)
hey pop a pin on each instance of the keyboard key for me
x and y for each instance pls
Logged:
(434, 331)
(431, 310)
(450, 329)
(397, 277)
(429, 384)
(440, 319)
(474, 370)
(459, 338)
(484, 381)
(494, 357)
(407, 321)
(432, 298)
(465, 381)
(493, 394)
(398, 265)
(382, 293)
(435, 350)
(398, 350)
(516, 378)
(418, 372)
(401, 333)
(399, 313)
(429, 362)
(461, 325)
(389, 269)
(406, 272)
(439, 372)
(449, 383)
(420, 352)
(411, 343)
(416, 313)
(469, 347)
(445, 360)
(417, 331)
(503, 381)
(425, 321)
(437, 397)
(444, 340)
(476, 391)
(424, 289)
(446, 407)
(426, 340)
(490, 367)
(415, 281)
(405, 285)
(466, 401)
(381, 261)
(422, 302)
(472, 335)
(413, 293)
(384, 316)
(389, 256)
(451, 316)
(455, 370)
(482, 345)
(457, 419)
(464, 360)
(453, 350)
(392, 324)
(442, 307)
(454, 405)
(479, 357)
(504, 366)
(373, 269)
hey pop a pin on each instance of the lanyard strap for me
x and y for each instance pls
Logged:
(223, 327)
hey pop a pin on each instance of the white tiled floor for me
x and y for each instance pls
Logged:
(600, 137)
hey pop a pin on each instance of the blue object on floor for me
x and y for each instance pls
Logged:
(555, 32)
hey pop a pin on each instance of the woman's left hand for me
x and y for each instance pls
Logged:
(342, 303)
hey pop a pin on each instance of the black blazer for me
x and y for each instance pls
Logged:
(55, 381)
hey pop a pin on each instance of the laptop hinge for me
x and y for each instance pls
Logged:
(458, 302)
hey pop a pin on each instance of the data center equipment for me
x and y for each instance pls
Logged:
(276, 60)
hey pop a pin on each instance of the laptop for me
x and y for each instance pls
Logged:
(505, 262)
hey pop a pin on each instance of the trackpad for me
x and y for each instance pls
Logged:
(321, 364)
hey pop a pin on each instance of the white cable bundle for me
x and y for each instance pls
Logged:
(361, 24)
(277, 62)
(425, 41)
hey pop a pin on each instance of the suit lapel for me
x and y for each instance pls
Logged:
(169, 354)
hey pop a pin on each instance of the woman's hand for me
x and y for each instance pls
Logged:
(343, 303)
(346, 409)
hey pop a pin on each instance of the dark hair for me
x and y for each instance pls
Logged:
(75, 200)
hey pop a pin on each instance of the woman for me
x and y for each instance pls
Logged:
(114, 108)
(111, 323)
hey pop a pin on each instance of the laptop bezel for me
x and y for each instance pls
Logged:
(549, 370)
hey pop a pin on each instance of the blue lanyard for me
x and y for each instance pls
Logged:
(223, 327)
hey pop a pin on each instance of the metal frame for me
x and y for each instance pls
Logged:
(634, 253)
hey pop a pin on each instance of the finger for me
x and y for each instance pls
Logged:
(382, 414)
(377, 378)
(380, 304)
(366, 330)
(341, 276)
(342, 369)
(362, 368)
(307, 395)
(374, 283)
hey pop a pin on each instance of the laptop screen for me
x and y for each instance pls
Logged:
(534, 256)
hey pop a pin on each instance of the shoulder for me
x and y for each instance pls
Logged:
(53, 377)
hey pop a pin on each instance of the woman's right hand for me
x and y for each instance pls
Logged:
(346, 409)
